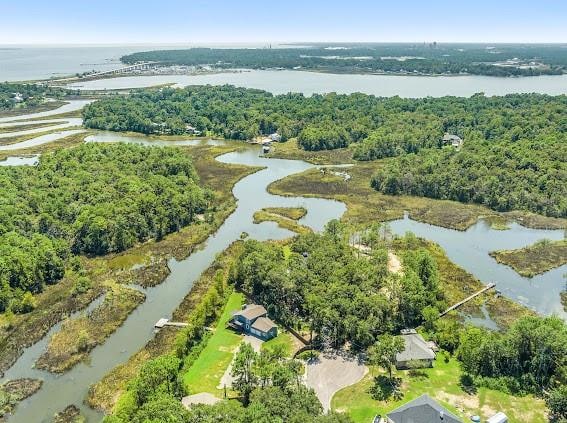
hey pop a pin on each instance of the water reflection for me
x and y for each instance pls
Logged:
(469, 249)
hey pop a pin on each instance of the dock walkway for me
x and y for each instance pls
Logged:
(460, 303)
(165, 322)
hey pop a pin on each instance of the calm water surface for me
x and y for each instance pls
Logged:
(281, 82)
(20, 160)
(469, 249)
(72, 387)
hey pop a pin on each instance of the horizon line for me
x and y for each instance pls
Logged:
(196, 43)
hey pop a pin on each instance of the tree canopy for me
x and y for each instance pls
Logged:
(93, 199)
(433, 58)
(342, 295)
(27, 95)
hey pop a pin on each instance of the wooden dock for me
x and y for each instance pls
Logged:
(165, 322)
(460, 303)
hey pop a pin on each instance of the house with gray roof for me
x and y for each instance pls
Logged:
(417, 352)
(423, 409)
(452, 139)
(253, 319)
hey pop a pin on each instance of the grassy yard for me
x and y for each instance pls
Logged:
(285, 339)
(442, 383)
(205, 374)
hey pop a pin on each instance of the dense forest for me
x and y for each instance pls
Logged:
(478, 59)
(93, 199)
(28, 95)
(530, 357)
(529, 175)
(343, 295)
(514, 154)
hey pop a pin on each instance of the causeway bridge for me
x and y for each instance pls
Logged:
(95, 75)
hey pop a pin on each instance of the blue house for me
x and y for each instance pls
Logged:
(253, 319)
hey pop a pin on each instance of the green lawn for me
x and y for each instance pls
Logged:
(205, 374)
(441, 383)
(283, 338)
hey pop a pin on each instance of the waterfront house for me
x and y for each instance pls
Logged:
(417, 352)
(253, 319)
(192, 130)
(452, 139)
(423, 409)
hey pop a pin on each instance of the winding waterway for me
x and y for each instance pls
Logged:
(71, 388)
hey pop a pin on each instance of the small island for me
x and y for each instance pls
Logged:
(535, 259)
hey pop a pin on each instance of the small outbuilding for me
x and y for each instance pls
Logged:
(423, 409)
(417, 352)
(275, 137)
(253, 319)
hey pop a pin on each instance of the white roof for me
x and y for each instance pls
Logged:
(499, 417)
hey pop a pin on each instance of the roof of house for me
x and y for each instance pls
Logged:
(252, 311)
(263, 324)
(416, 348)
(499, 417)
(451, 137)
(422, 410)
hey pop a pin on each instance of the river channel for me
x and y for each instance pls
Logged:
(58, 391)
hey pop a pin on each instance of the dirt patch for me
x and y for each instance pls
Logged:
(202, 398)
(394, 263)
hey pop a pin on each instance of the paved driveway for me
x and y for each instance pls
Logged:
(332, 372)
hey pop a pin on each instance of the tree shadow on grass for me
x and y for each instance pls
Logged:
(418, 374)
(466, 382)
(385, 388)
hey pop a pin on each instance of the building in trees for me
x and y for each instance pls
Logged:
(417, 353)
(453, 140)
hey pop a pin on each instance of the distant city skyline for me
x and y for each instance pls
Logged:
(242, 22)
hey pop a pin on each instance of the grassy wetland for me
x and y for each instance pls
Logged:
(535, 259)
(144, 264)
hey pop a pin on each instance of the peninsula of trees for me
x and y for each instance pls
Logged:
(513, 157)
(60, 209)
(27, 95)
(421, 59)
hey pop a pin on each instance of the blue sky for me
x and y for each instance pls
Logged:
(253, 21)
